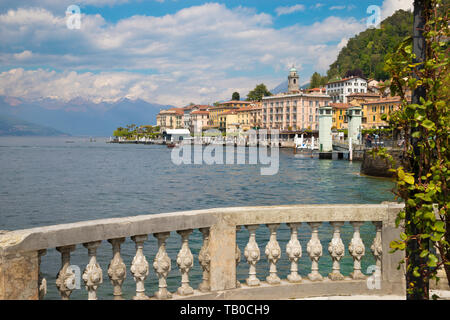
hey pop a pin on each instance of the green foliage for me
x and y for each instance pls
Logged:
(423, 184)
(367, 50)
(236, 96)
(132, 132)
(258, 93)
(317, 80)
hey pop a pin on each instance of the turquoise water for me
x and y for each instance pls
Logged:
(46, 181)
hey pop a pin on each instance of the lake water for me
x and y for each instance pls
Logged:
(46, 181)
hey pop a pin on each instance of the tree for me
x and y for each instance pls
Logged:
(420, 64)
(317, 80)
(236, 96)
(258, 93)
(367, 50)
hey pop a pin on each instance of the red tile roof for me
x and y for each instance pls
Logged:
(339, 105)
(235, 101)
(200, 112)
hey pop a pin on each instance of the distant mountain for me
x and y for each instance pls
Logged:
(12, 126)
(283, 87)
(80, 116)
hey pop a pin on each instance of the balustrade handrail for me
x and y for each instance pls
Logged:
(101, 229)
(219, 255)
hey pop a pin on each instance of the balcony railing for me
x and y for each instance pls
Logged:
(21, 252)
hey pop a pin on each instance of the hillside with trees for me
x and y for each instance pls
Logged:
(367, 50)
(365, 53)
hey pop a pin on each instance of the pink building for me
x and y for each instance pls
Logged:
(293, 111)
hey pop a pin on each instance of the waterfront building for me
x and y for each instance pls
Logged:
(221, 108)
(363, 97)
(339, 90)
(339, 115)
(198, 119)
(373, 110)
(293, 110)
(249, 117)
(170, 119)
(187, 118)
(228, 121)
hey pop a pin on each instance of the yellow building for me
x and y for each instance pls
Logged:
(373, 110)
(339, 120)
(228, 121)
(249, 117)
(221, 108)
(170, 119)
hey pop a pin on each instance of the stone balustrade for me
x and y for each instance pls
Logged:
(21, 252)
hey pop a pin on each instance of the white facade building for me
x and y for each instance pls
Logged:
(339, 90)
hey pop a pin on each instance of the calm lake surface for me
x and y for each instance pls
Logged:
(46, 181)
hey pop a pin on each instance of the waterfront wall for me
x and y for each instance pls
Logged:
(21, 252)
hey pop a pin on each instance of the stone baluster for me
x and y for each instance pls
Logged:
(42, 282)
(252, 254)
(237, 258)
(162, 266)
(65, 280)
(314, 249)
(205, 261)
(337, 250)
(377, 247)
(117, 270)
(185, 261)
(357, 250)
(273, 253)
(139, 267)
(93, 274)
(294, 252)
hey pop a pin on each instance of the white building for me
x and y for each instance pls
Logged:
(340, 89)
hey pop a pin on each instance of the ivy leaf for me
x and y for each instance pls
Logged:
(440, 226)
(432, 261)
(409, 179)
(428, 124)
(424, 253)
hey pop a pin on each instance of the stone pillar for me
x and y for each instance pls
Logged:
(354, 122)
(325, 123)
(390, 276)
(19, 276)
(222, 251)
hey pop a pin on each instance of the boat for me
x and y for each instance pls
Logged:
(171, 145)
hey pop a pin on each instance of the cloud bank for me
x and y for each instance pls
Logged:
(198, 54)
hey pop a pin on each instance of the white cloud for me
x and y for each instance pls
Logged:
(390, 6)
(337, 7)
(288, 10)
(23, 55)
(198, 54)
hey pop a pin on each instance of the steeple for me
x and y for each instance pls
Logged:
(293, 84)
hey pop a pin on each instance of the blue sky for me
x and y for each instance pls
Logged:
(170, 51)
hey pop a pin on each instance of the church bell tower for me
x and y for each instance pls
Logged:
(293, 84)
